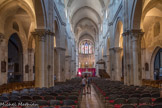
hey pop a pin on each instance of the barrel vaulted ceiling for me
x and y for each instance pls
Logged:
(86, 17)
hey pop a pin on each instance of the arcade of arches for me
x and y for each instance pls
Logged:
(49, 41)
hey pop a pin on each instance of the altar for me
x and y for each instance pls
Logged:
(86, 71)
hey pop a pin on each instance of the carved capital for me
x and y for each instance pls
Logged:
(126, 33)
(118, 49)
(42, 33)
(68, 56)
(60, 49)
(111, 49)
(39, 34)
(30, 50)
(50, 33)
(136, 34)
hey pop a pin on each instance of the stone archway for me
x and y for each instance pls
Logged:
(157, 66)
(151, 41)
(40, 14)
(136, 16)
(15, 59)
(59, 56)
(153, 57)
(117, 50)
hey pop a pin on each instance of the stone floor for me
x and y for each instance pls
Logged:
(91, 100)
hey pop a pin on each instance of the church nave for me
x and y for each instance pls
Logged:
(50, 50)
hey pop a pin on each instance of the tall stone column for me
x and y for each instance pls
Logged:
(128, 63)
(75, 64)
(118, 63)
(136, 49)
(49, 59)
(145, 72)
(67, 67)
(112, 63)
(75, 71)
(60, 74)
(56, 64)
(125, 45)
(31, 64)
(105, 59)
(108, 64)
(72, 68)
(130, 60)
(46, 61)
(4, 58)
(40, 35)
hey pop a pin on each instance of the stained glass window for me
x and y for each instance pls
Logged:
(86, 47)
(82, 51)
(90, 48)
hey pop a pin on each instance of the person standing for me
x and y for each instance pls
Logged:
(89, 85)
(84, 85)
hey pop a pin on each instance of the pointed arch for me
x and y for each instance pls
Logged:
(15, 59)
(40, 14)
(136, 14)
(153, 60)
(57, 32)
(118, 40)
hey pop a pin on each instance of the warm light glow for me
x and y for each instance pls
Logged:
(79, 73)
(121, 37)
(54, 42)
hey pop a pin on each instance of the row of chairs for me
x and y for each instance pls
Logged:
(6, 88)
(116, 94)
(66, 94)
(37, 97)
(141, 106)
(42, 103)
(153, 83)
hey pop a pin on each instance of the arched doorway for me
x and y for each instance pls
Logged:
(15, 59)
(151, 40)
(116, 66)
(158, 65)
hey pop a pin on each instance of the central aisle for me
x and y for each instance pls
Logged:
(91, 100)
